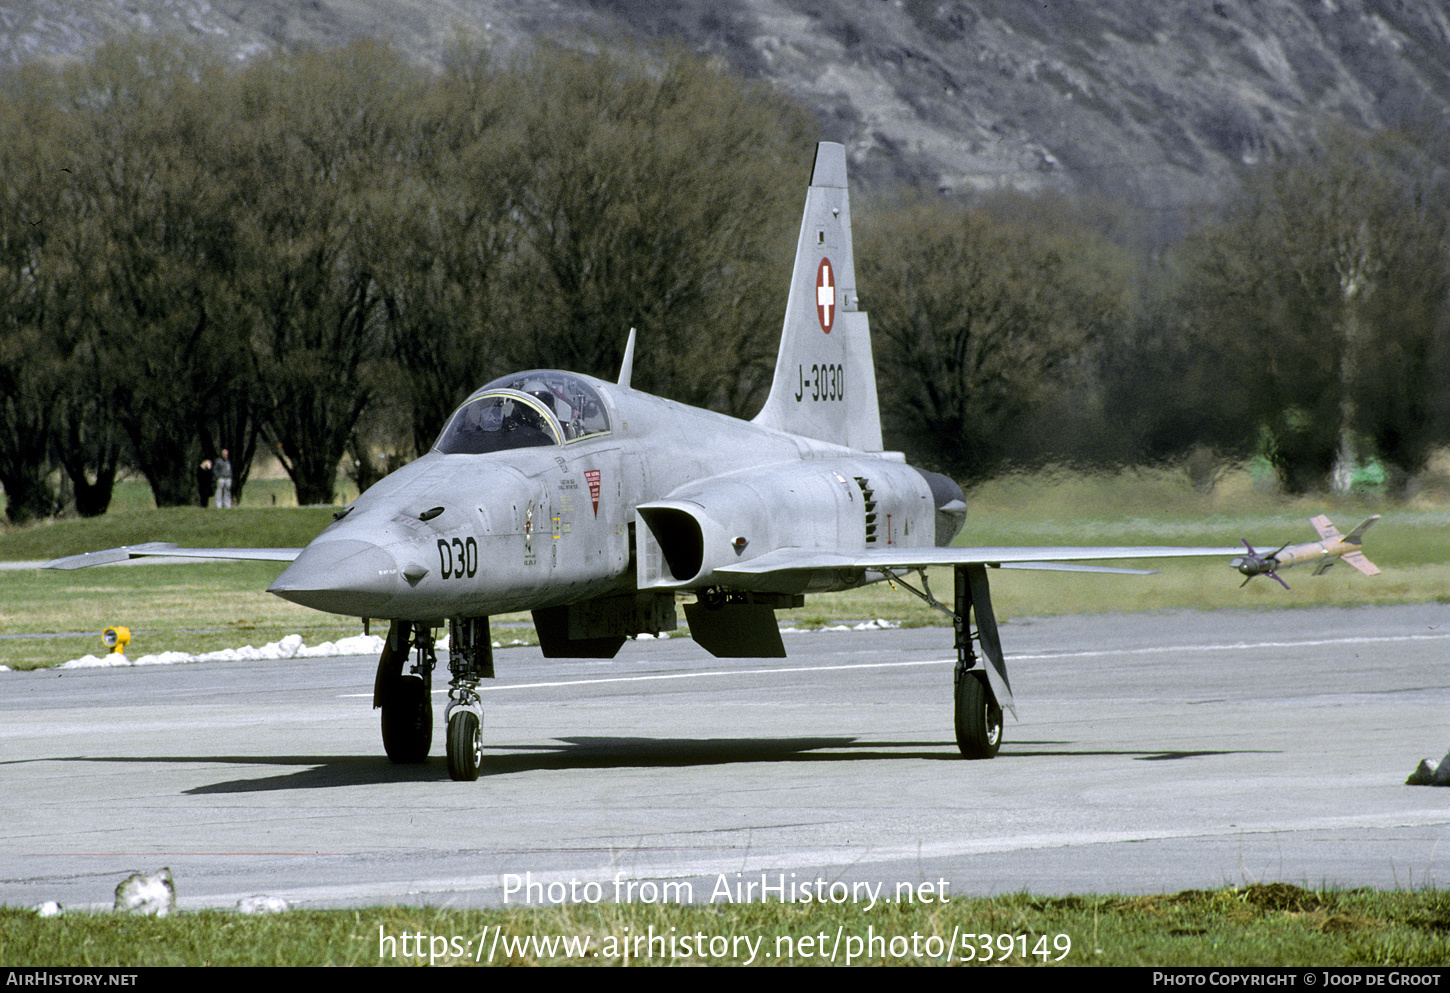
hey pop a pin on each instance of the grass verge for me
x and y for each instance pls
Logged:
(1272, 924)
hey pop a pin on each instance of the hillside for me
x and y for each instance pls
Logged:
(1158, 102)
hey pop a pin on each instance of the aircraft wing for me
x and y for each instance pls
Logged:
(1061, 558)
(171, 550)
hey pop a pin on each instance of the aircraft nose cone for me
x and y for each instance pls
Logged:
(345, 576)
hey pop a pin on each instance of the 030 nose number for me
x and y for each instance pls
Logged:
(458, 558)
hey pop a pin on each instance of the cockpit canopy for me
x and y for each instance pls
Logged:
(572, 401)
(527, 410)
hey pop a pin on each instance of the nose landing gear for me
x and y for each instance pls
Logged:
(406, 698)
(470, 658)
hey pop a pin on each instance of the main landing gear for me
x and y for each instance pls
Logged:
(978, 718)
(406, 699)
(979, 685)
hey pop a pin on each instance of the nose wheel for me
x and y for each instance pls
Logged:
(465, 746)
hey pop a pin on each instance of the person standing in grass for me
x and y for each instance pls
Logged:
(221, 470)
(205, 482)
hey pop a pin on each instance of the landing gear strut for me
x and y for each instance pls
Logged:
(979, 683)
(470, 658)
(980, 686)
(406, 700)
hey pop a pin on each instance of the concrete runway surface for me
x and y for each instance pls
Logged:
(1155, 753)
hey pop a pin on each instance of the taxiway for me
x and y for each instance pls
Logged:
(1154, 752)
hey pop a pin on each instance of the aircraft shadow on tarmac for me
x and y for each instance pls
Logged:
(321, 772)
(593, 753)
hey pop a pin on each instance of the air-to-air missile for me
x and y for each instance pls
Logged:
(1330, 548)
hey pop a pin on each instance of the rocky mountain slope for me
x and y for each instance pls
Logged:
(1157, 101)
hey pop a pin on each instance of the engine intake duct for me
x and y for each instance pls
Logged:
(679, 539)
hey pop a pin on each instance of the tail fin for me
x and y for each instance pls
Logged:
(1356, 535)
(825, 383)
(1325, 530)
(1361, 563)
(1357, 558)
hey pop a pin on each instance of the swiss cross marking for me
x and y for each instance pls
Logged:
(825, 296)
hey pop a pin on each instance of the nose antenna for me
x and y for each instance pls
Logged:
(626, 368)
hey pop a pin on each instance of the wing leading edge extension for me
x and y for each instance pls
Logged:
(1062, 558)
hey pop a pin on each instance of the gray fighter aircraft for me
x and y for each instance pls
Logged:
(597, 507)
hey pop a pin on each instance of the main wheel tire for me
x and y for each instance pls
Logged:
(465, 746)
(978, 718)
(408, 721)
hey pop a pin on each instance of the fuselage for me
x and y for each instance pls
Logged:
(1310, 551)
(461, 533)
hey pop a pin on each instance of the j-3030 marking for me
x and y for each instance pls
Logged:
(826, 382)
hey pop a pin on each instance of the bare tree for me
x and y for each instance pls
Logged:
(654, 200)
(1330, 285)
(979, 327)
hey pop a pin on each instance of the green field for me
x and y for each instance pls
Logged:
(48, 617)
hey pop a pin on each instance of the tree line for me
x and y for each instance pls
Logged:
(322, 253)
(1306, 322)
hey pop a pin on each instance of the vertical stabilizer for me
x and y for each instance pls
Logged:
(825, 383)
(1356, 558)
(1357, 535)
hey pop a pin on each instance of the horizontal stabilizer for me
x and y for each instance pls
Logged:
(1361, 563)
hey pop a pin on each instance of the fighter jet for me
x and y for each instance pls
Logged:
(1330, 548)
(598, 508)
